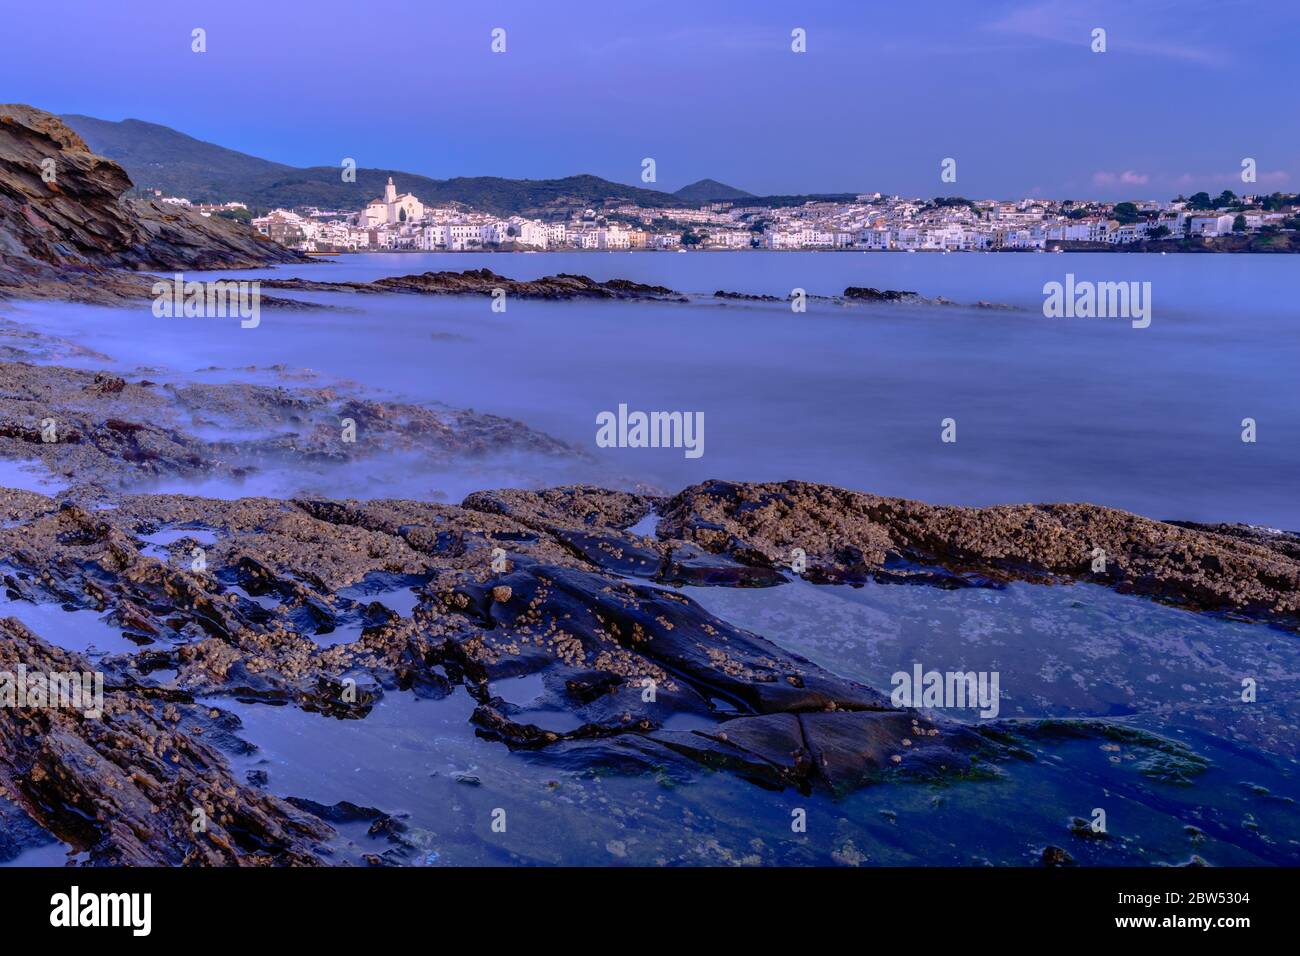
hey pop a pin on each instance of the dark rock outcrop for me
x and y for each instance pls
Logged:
(847, 535)
(868, 294)
(486, 282)
(130, 786)
(66, 230)
(514, 583)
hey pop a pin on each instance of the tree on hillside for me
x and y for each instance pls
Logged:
(1125, 213)
(1239, 224)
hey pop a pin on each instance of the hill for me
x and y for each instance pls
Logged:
(710, 190)
(158, 157)
(322, 186)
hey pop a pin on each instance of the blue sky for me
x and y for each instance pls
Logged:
(708, 88)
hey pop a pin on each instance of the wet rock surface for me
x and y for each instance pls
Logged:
(123, 786)
(506, 585)
(623, 658)
(849, 535)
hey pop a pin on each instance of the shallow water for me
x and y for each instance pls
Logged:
(1077, 650)
(1160, 668)
(29, 476)
(84, 631)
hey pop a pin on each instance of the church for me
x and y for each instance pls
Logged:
(391, 209)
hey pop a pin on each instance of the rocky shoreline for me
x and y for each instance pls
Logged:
(108, 433)
(509, 582)
(265, 600)
(565, 287)
(514, 582)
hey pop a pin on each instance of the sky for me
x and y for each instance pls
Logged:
(886, 90)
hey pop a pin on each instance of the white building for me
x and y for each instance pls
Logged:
(535, 234)
(613, 237)
(875, 239)
(463, 235)
(434, 237)
(391, 209)
(1210, 226)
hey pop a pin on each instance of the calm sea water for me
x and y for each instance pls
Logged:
(1046, 409)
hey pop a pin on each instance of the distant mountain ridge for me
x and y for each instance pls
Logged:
(159, 157)
(710, 190)
(148, 151)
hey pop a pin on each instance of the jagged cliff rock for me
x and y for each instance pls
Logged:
(66, 230)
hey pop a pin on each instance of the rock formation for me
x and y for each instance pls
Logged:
(67, 230)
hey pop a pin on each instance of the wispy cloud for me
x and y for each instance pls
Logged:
(1126, 178)
(1266, 180)
(1127, 30)
(1275, 178)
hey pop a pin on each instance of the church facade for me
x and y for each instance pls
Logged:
(391, 209)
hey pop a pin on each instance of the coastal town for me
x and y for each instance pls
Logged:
(399, 221)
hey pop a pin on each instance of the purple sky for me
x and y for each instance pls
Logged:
(1011, 90)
